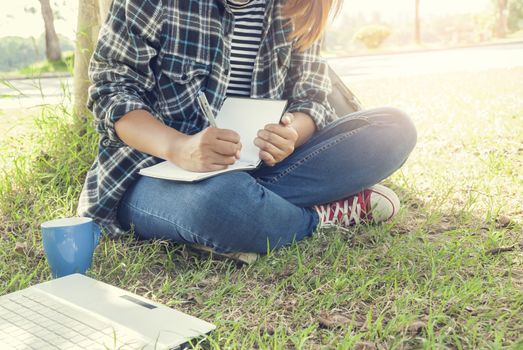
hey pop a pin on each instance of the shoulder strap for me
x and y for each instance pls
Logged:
(342, 99)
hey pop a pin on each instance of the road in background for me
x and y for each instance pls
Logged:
(26, 93)
(473, 59)
(31, 92)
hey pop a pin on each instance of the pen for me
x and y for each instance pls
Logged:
(206, 109)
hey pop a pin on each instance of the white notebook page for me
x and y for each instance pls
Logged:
(245, 116)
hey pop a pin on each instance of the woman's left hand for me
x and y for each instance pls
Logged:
(277, 141)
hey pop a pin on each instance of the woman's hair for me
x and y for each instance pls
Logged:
(309, 18)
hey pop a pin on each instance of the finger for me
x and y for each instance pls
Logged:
(286, 132)
(287, 119)
(213, 167)
(268, 147)
(227, 135)
(274, 139)
(267, 158)
(226, 148)
(218, 159)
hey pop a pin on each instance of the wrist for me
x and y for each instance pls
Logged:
(174, 149)
(304, 126)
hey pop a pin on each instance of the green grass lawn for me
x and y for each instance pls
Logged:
(15, 123)
(45, 67)
(447, 273)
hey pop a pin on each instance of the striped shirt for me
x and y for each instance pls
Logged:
(246, 38)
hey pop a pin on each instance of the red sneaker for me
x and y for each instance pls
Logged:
(372, 205)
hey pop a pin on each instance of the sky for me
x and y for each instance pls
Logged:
(15, 21)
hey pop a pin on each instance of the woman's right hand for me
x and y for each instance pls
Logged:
(209, 150)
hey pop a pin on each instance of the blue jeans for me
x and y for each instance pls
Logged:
(271, 206)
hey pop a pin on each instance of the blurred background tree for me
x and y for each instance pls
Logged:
(22, 51)
(502, 27)
(91, 14)
(509, 16)
(415, 24)
(515, 15)
(417, 21)
(52, 43)
(18, 52)
(373, 36)
(411, 24)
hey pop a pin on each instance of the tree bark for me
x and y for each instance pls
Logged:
(91, 13)
(103, 7)
(52, 45)
(418, 23)
(502, 27)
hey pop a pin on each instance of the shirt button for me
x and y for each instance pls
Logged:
(106, 142)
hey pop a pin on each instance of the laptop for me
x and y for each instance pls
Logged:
(78, 312)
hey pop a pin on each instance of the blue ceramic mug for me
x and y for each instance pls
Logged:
(69, 244)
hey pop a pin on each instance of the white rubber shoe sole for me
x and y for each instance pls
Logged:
(384, 203)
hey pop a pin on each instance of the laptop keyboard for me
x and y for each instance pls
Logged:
(32, 321)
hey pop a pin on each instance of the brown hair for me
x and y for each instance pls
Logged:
(309, 18)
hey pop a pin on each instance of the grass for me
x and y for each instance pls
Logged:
(45, 67)
(447, 273)
(16, 122)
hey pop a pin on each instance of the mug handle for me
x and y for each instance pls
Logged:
(97, 233)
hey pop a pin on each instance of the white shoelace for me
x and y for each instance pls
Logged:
(348, 213)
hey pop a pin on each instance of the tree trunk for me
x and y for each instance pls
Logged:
(52, 45)
(104, 6)
(502, 27)
(91, 13)
(418, 23)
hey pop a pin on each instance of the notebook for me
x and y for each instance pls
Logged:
(77, 312)
(245, 116)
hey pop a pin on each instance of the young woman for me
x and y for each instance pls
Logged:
(152, 59)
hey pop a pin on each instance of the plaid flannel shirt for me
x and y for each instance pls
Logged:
(156, 55)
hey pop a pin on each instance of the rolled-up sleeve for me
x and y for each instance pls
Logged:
(120, 69)
(308, 86)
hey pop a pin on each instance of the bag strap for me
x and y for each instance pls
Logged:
(342, 99)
